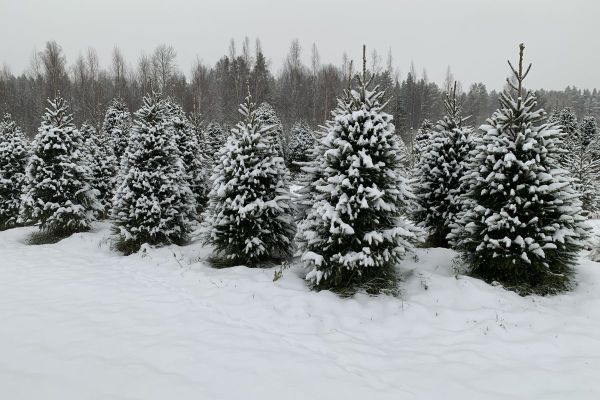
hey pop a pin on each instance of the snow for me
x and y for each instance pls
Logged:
(79, 321)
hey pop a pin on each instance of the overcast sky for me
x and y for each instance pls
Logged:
(473, 37)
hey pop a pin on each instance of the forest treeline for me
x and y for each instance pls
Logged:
(208, 93)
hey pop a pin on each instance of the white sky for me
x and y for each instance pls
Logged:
(474, 37)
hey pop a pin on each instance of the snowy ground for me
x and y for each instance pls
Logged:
(78, 321)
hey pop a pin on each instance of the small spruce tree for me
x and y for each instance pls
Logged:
(588, 129)
(355, 232)
(422, 139)
(58, 193)
(301, 141)
(213, 140)
(582, 159)
(525, 227)
(250, 218)
(567, 121)
(153, 203)
(437, 186)
(103, 166)
(267, 116)
(14, 154)
(116, 126)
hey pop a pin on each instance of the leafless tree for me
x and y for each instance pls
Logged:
(164, 67)
(144, 73)
(246, 55)
(118, 70)
(54, 64)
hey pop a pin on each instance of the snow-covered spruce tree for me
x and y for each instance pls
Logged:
(583, 161)
(301, 141)
(355, 232)
(250, 216)
(267, 116)
(311, 172)
(153, 203)
(103, 165)
(437, 175)
(588, 129)
(525, 227)
(422, 139)
(58, 193)
(14, 154)
(196, 167)
(213, 140)
(116, 126)
(567, 121)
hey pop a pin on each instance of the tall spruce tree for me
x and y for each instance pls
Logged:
(355, 232)
(103, 166)
(58, 193)
(14, 154)
(116, 126)
(153, 203)
(525, 227)
(250, 215)
(437, 174)
(195, 165)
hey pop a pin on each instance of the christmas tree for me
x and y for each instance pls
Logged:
(213, 140)
(58, 193)
(437, 187)
(422, 139)
(14, 154)
(267, 116)
(195, 165)
(116, 125)
(103, 166)
(588, 129)
(355, 232)
(250, 217)
(525, 227)
(301, 141)
(153, 203)
(582, 159)
(567, 121)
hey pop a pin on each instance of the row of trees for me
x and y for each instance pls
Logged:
(500, 197)
(298, 91)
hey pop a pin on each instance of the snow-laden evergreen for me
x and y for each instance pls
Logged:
(300, 144)
(103, 165)
(355, 230)
(58, 191)
(422, 139)
(213, 140)
(116, 126)
(196, 166)
(250, 218)
(525, 227)
(14, 154)
(588, 129)
(153, 203)
(267, 116)
(567, 121)
(582, 159)
(437, 175)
